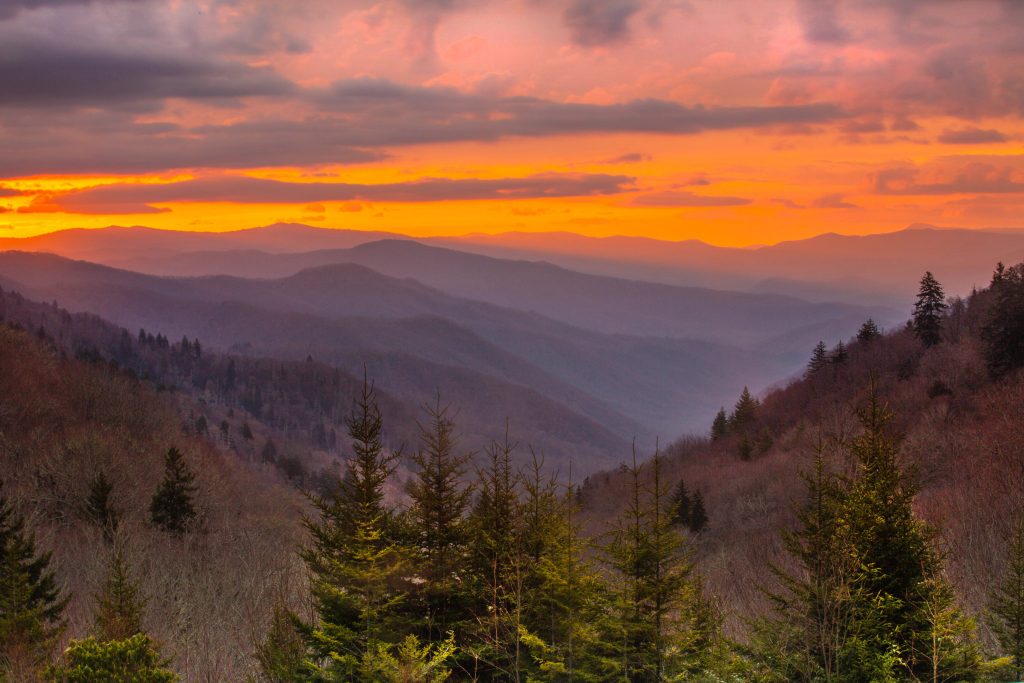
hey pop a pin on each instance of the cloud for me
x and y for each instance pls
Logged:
(832, 201)
(140, 198)
(971, 136)
(37, 74)
(973, 178)
(600, 22)
(10, 192)
(11, 8)
(683, 198)
(821, 23)
(629, 158)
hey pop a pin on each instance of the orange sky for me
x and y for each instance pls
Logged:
(735, 123)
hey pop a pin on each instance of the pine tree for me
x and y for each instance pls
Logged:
(868, 332)
(1007, 603)
(282, 654)
(720, 426)
(745, 411)
(409, 662)
(119, 603)
(665, 626)
(133, 660)
(30, 601)
(100, 508)
(839, 354)
(355, 564)
(819, 359)
(698, 514)
(1004, 331)
(682, 505)
(928, 310)
(171, 508)
(438, 515)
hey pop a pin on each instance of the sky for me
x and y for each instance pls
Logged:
(736, 122)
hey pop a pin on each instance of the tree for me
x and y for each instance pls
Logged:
(439, 501)
(31, 604)
(133, 660)
(868, 332)
(839, 354)
(99, 507)
(665, 627)
(819, 359)
(928, 311)
(409, 662)
(698, 514)
(119, 603)
(682, 506)
(171, 508)
(1003, 333)
(282, 654)
(720, 426)
(745, 411)
(1007, 603)
(355, 563)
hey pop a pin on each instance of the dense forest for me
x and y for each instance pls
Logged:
(861, 523)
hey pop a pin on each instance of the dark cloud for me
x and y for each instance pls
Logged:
(683, 198)
(135, 198)
(971, 136)
(832, 201)
(974, 178)
(629, 158)
(34, 74)
(600, 22)
(11, 8)
(821, 23)
(10, 192)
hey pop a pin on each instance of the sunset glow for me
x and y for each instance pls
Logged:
(735, 123)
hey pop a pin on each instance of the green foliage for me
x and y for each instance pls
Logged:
(282, 654)
(745, 411)
(1004, 331)
(819, 359)
(698, 514)
(1007, 603)
(928, 311)
(868, 332)
(682, 505)
(119, 603)
(132, 660)
(355, 564)
(408, 662)
(171, 508)
(30, 601)
(439, 501)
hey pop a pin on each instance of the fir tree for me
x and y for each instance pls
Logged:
(119, 603)
(720, 426)
(928, 310)
(1004, 331)
(1007, 604)
(172, 509)
(439, 503)
(698, 515)
(868, 332)
(282, 654)
(682, 505)
(100, 508)
(30, 601)
(133, 660)
(819, 359)
(839, 354)
(745, 411)
(354, 562)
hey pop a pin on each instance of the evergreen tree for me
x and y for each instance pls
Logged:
(1007, 604)
(720, 426)
(438, 516)
(354, 562)
(868, 332)
(819, 359)
(665, 626)
(928, 310)
(99, 507)
(282, 654)
(133, 660)
(171, 508)
(745, 411)
(409, 662)
(682, 505)
(839, 354)
(119, 603)
(997, 275)
(30, 601)
(698, 515)
(1004, 332)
